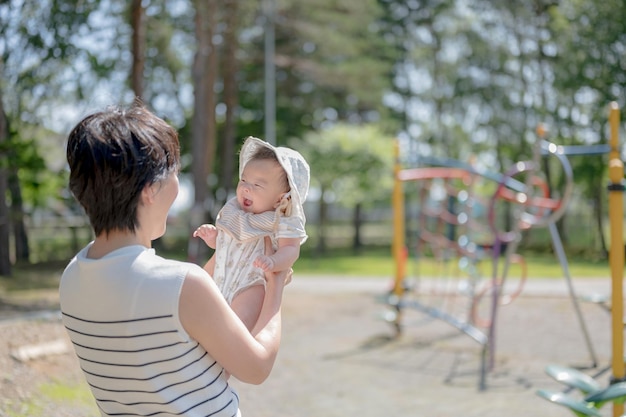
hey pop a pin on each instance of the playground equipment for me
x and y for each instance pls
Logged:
(453, 215)
(595, 396)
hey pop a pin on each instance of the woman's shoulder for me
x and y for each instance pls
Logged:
(168, 266)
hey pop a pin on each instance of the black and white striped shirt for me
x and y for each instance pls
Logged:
(121, 313)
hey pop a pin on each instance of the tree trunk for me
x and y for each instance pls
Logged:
(138, 23)
(203, 119)
(198, 120)
(321, 227)
(229, 71)
(22, 252)
(203, 124)
(5, 259)
(357, 220)
(211, 72)
(597, 212)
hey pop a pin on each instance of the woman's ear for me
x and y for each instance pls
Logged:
(148, 193)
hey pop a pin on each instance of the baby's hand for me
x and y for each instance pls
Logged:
(208, 233)
(266, 263)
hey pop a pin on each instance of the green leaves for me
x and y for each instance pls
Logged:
(355, 163)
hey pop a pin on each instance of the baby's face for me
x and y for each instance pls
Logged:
(260, 187)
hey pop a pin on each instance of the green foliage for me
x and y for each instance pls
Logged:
(355, 163)
(456, 79)
(36, 156)
(38, 39)
(331, 63)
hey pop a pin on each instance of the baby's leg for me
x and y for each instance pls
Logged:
(247, 304)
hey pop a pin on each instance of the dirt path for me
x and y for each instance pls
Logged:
(338, 359)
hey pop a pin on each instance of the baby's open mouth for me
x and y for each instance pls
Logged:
(246, 202)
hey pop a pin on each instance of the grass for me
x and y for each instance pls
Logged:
(378, 262)
(60, 392)
(43, 275)
(57, 392)
(375, 262)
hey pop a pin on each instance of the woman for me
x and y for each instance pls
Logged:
(153, 336)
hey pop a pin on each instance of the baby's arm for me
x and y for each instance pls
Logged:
(209, 266)
(208, 233)
(286, 255)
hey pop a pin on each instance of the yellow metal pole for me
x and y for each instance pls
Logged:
(398, 245)
(616, 253)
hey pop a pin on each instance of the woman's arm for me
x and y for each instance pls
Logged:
(207, 318)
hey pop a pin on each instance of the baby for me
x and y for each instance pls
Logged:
(273, 185)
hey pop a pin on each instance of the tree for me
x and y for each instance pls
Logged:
(203, 123)
(462, 78)
(138, 24)
(36, 41)
(5, 261)
(588, 66)
(230, 70)
(352, 164)
(477, 77)
(324, 77)
(331, 65)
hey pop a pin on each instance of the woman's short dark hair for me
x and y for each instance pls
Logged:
(113, 155)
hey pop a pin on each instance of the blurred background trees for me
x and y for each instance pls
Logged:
(461, 79)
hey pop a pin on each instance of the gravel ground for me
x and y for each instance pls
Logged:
(338, 357)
